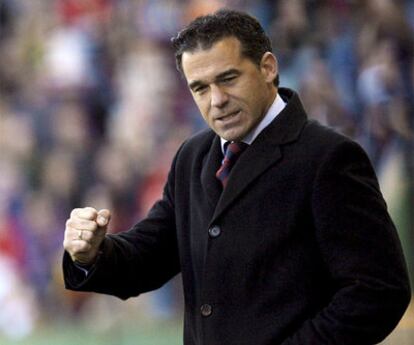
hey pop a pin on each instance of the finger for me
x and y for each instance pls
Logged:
(74, 212)
(75, 235)
(76, 246)
(80, 224)
(88, 213)
(70, 232)
(89, 236)
(80, 246)
(81, 235)
(104, 216)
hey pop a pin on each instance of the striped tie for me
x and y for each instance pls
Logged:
(232, 153)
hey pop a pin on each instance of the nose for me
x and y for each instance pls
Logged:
(219, 98)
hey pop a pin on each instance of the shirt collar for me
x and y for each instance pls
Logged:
(274, 110)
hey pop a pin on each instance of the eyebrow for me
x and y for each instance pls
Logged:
(218, 77)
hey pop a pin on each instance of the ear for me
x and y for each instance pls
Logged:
(269, 67)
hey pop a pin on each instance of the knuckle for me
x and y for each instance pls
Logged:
(89, 213)
(68, 233)
(69, 223)
(74, 212)
(87, 235)
(88, 225)
(82, 223)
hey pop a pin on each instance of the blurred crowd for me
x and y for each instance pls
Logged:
(92, 111)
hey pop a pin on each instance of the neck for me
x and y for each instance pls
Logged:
(272, 96)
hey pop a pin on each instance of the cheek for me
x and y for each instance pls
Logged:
(250, 94)
(202, 106)
(257, 102)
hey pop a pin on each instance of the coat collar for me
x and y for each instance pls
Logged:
(259, 156)
(289, 123)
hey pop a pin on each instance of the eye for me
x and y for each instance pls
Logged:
(228, 79)
(200, 89)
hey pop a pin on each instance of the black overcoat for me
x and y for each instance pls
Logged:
(299, 249)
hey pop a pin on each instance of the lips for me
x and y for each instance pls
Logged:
(228, 116)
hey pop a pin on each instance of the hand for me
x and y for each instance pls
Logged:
(85, 230)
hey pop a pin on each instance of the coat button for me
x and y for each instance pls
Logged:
(215, 231)
(206, 310)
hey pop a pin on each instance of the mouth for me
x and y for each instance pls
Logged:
(228, 117)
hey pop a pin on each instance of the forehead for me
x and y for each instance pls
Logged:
(202, 64)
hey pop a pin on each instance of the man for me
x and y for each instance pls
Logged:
(294, 245)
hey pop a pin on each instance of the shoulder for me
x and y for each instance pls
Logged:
(322, 135)
(323, 147)
(323, 140)
(335, 152)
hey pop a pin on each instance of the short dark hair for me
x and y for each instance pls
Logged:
(206, 30)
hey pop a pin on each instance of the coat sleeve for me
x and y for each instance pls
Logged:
(136, 261)
(361, 249)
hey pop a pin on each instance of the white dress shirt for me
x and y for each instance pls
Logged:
(274, 110)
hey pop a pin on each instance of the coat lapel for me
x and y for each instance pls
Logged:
(264, 152)
(211, 164)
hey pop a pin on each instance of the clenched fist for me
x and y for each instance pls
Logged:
(84, 233)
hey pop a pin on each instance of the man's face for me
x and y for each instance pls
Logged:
(232, 93)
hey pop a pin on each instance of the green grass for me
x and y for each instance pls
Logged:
(155, 334)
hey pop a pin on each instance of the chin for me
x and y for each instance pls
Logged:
(231, 135)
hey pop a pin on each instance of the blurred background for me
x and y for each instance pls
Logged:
(89, 95)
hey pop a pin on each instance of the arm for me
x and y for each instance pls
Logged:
(362, 251)
(136, 261)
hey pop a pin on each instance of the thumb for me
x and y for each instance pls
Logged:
(103, 217)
